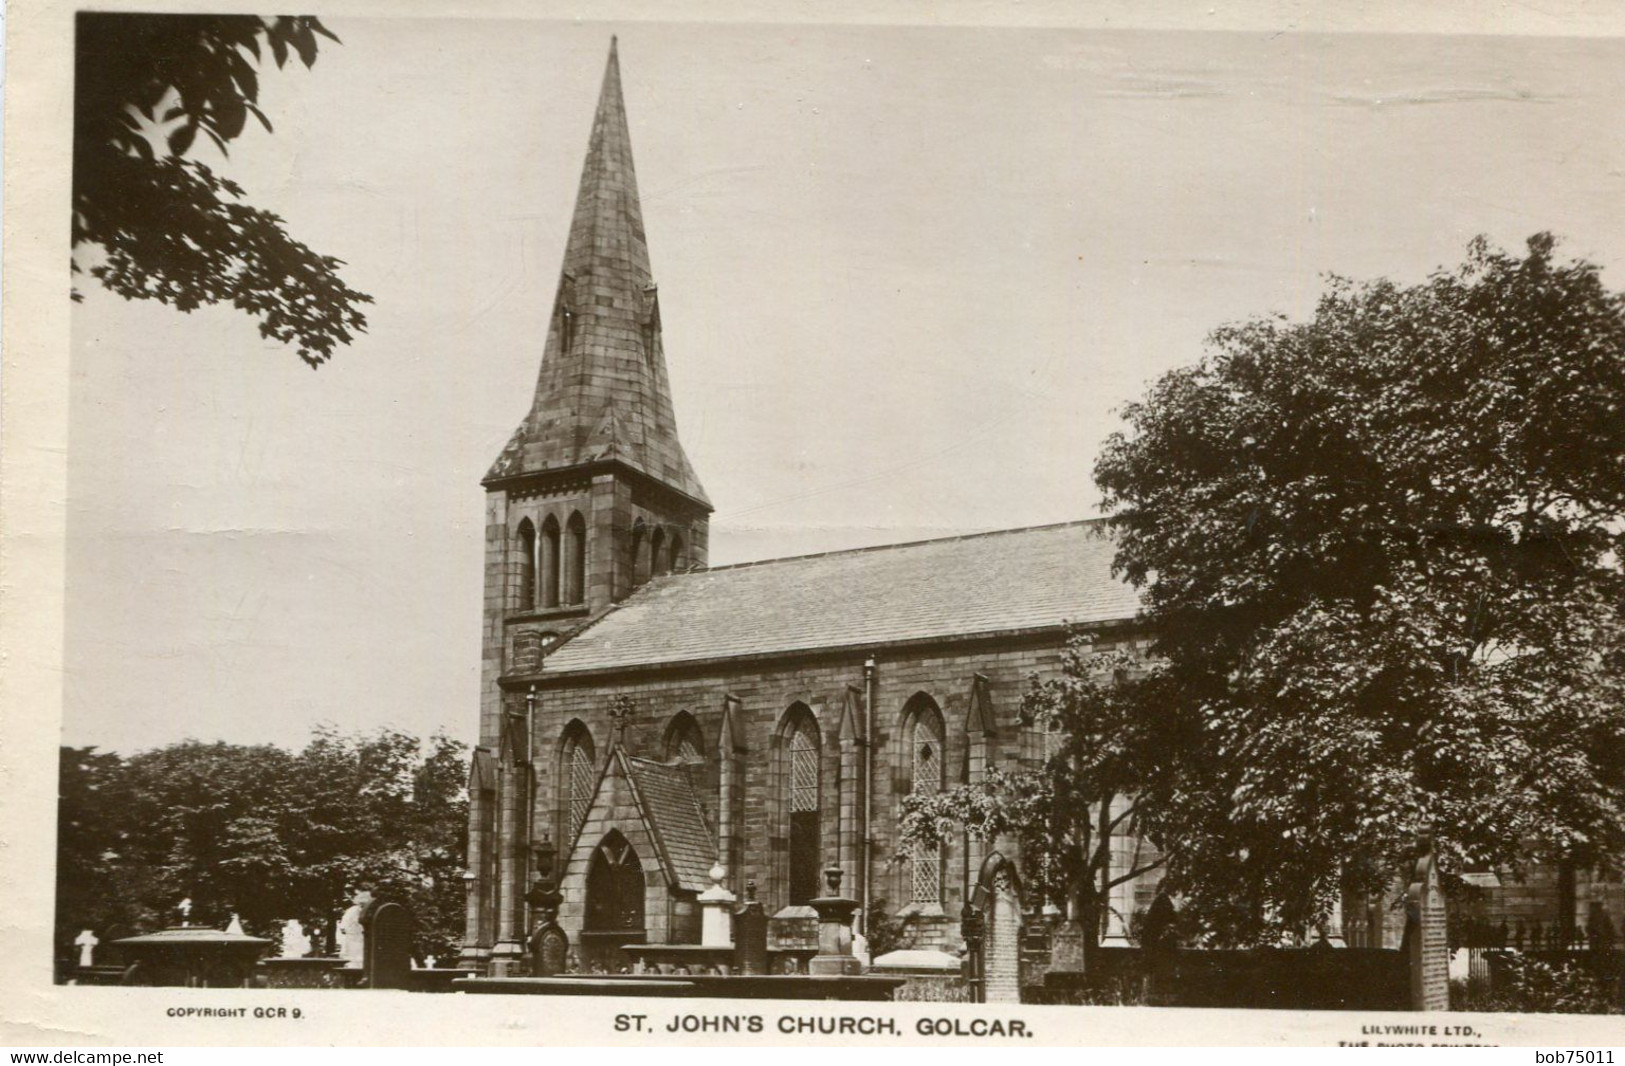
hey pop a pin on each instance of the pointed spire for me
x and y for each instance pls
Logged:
(603, 392)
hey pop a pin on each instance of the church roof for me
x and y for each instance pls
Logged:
(1011, 580)
(602, 393)
(678, 824)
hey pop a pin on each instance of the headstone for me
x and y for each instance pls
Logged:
(352, 934)
(86, 943)
(389, 946)
(295, 944)
(1067, 947)
(1426, 939)
(750, 934)
(549, 944)
(549, 951)
(1001, 946)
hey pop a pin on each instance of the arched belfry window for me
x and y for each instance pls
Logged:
(657, 552)
(525, 549)
(679, 560)
(575, 559)
(800, 754)
(549, 554)
(640, 534)
(577, 774)
(923, 730)
(684, 742)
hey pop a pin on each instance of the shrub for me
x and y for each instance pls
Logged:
(1530, 985)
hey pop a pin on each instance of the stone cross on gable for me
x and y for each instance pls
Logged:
(618, 715)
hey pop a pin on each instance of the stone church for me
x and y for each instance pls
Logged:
(645, 718)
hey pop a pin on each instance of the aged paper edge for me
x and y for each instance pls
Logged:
(33, 464)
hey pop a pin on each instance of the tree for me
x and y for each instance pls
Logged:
(1380, 554)
(1381, 551)
(264, 833)
(1106, 737)
(168, 227)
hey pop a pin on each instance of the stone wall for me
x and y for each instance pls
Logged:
(765, 690)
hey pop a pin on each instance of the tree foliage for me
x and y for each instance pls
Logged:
(1381, 553)
(146, 86)
(264, 833)
(1105, 740)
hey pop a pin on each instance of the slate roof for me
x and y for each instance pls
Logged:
(961, 586)
(678, 823)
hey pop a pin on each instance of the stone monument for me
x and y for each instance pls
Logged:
(549, 944)
(1426, 942)
(750, 934)
(352, 943)
(388, 945)
(716, 911)
(295, 944)
(835, 912)
(86, 943)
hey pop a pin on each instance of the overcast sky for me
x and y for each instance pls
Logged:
(906, 277)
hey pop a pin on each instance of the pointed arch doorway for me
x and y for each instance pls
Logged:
(614, 912)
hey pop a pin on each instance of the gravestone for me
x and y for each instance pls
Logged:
(750, 934)
(1426, 940)
(550, 951)
(86, 943)
(389, 946)
(549, 946)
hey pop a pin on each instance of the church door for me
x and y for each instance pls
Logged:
(614, 906)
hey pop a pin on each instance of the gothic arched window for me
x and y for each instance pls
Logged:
(800, 761)
(679, 562)
(577, 774)
(550, 561)
(640, 572)
(924, 734)
(525, 549)
(684, 741)
(575, 559)
(657, 557)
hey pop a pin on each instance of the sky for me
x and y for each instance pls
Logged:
(908, 277)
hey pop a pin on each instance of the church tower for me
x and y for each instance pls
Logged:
(593, 494)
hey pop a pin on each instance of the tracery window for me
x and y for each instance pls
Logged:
(925, 738)
(578, 773)
(801, 803)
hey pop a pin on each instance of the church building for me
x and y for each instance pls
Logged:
(646, 719)
(651, 726)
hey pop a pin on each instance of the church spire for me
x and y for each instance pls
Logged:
(602, 394)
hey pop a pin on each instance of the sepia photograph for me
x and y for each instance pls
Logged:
(1004, 518)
